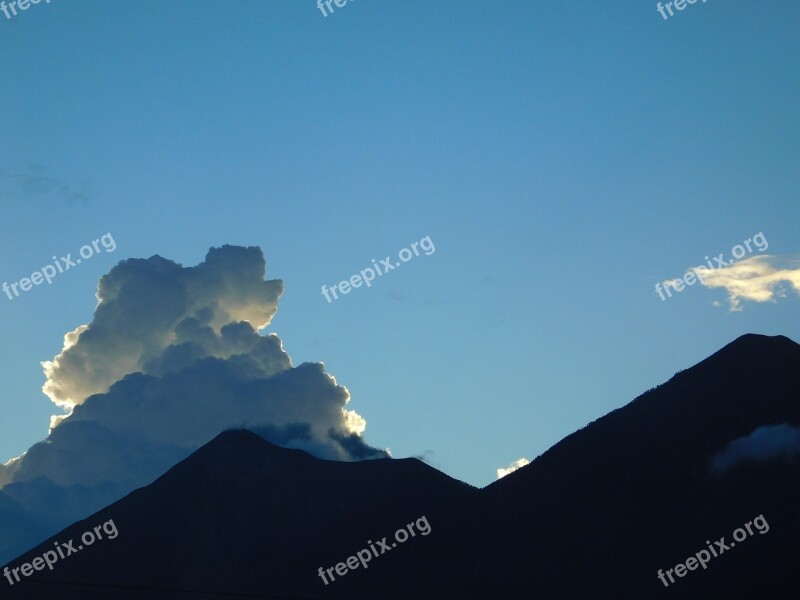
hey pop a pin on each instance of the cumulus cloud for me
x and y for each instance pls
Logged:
(517, 464)
(173, 357)
(770, 443)
(760, 278)
(155, 314)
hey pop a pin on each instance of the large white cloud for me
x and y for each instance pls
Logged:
(145, 307)
(171, 358)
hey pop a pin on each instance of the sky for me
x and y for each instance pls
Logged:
(561, 158)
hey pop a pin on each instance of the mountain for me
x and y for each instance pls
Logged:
(596, 516)
(244, 516)
(634, 491)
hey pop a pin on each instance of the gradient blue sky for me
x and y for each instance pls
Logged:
(563, 157)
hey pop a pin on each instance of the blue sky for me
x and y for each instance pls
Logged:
(563, 158)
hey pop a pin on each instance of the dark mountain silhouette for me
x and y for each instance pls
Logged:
(242, 515)
(596, 516)
(632, 492)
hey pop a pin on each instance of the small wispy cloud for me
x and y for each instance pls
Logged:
(517, 464)
(407, 299)
(38, 182)
(761, 278)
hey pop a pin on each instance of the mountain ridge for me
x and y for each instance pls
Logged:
(597, 515)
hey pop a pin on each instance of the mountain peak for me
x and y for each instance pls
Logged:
(755, 340)
(751, 348)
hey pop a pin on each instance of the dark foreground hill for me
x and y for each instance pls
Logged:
(597, 516)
